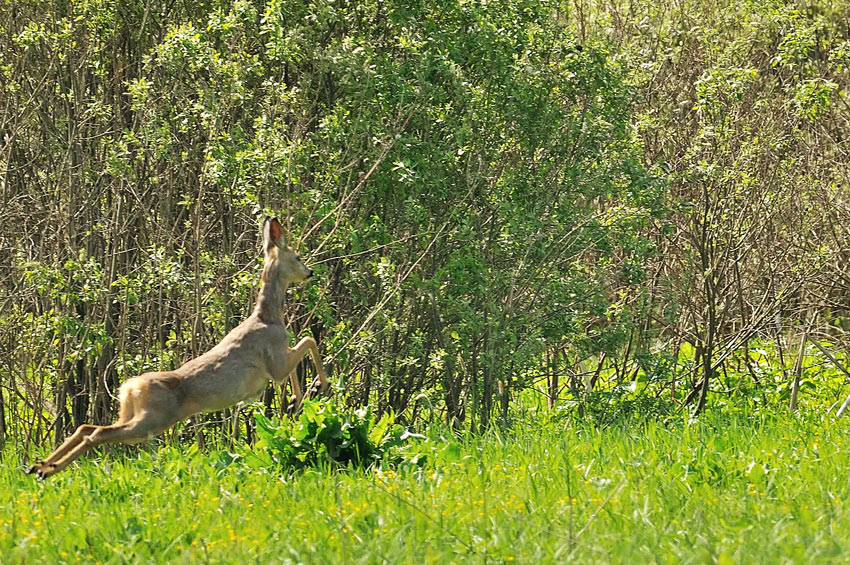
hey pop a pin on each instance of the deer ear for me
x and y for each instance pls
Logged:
(272, 234)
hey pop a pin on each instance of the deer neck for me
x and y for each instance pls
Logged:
(270, 303)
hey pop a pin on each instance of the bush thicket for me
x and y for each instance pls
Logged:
(495, 196)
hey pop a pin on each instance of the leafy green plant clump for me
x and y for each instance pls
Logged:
(324, 433)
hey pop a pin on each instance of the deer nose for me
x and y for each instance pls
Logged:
(309, 273)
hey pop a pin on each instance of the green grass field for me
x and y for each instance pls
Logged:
(726, 489)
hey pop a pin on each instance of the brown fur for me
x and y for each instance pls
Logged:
(236, 369)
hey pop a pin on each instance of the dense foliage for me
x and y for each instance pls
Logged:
(602, 202)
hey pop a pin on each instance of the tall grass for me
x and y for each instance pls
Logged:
(728, 488)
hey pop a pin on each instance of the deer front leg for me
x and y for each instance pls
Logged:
(297, 395)
(294, 356)
(324, 385)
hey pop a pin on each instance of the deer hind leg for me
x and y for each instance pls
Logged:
(126, 412)
(134, 431)
(146, 410)
(82, 432)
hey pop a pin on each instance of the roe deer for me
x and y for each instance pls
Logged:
(236, 369)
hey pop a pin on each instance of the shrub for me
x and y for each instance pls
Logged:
(326, 434)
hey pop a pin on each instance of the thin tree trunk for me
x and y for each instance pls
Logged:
(798, 369)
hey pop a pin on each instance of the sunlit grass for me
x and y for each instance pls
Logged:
(725, 489)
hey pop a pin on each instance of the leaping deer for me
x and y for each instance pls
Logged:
(236, 369)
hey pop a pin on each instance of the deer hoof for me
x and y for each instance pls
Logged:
(45, 471)
(36, 466)
(41, 470)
